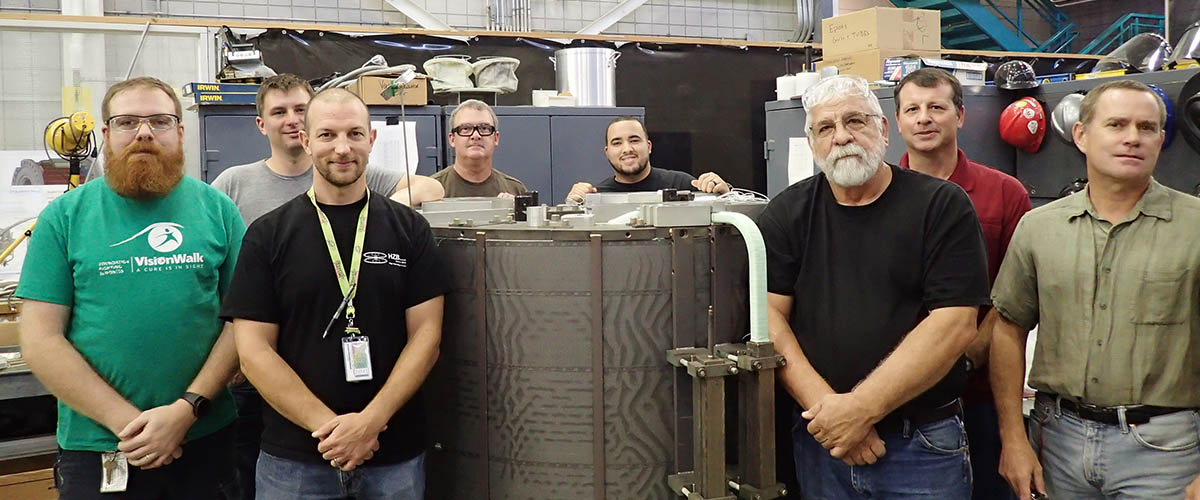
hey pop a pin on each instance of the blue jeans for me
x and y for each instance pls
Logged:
(1082, 459)
(283, 479)
(926, 462)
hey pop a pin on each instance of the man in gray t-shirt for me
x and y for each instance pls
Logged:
(256, 189)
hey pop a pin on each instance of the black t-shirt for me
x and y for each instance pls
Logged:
(658, 179)
(284, 276)
(862, 277)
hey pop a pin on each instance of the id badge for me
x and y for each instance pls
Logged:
(114, 472)
(356, 356)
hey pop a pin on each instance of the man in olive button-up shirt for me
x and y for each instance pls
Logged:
(1111, 277)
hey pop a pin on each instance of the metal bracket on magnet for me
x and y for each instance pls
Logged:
(752, 356)
(700, 364)
(684, 484)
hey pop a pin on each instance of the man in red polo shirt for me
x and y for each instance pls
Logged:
(929, 112)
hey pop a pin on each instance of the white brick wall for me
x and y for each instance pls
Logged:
(767, 20)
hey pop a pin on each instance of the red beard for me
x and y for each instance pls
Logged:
(143, 176)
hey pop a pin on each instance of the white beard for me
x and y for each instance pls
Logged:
(845, 170)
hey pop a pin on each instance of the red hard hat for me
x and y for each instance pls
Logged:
(1023, 124)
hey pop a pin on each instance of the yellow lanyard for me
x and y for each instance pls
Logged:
(348, 283)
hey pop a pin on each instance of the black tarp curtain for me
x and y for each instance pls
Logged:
(704, 103)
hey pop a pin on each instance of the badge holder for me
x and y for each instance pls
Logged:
(114, 472)
(356, 352)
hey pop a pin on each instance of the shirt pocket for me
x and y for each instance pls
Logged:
(1161, 296)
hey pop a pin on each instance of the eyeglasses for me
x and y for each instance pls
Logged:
(130, 123)
(854, 122)
(484, 130)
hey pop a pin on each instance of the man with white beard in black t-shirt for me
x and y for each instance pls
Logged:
(875, 275)
(337, 311)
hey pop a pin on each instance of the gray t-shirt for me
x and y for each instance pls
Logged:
(256, 189)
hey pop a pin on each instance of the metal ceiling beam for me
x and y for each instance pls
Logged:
(420, 15)
(611, 17)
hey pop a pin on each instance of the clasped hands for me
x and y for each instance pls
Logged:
(842, 424)
(349, 440)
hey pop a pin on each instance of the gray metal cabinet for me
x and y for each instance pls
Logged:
(978, 138)
(550, 149)
(228, 136)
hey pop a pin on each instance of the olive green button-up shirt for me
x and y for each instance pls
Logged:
(1116, 305)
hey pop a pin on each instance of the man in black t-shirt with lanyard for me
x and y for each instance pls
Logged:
(627, 147)
(875, 275)
(337, 311)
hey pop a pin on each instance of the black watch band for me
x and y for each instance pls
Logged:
(199, 403)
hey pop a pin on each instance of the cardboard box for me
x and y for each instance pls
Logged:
(8, 332)
(369, 88)
(969, 74)
(882, 28)
(869, 64)
(32, 485)
(219, 88)
(896, 68)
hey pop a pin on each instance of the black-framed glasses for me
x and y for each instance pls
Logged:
(466, 130)
(854, 122)
(130, 123)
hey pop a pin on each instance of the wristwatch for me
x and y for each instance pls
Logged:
(199, 403)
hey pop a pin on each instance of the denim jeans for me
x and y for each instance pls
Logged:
(249, 427)
(927, 462)
(204, 472)
(283, 479)
(1082, 459)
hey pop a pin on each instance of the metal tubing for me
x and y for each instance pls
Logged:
(756, 250)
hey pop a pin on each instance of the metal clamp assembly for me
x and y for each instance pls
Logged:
(700, 364)
(684, 485)
(748, 492)
(752, 356)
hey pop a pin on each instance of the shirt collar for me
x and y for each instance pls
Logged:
(1155, 202)
(963, 175)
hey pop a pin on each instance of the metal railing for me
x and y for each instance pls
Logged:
(1122, 30)
(1061, 40)
(1054, 17)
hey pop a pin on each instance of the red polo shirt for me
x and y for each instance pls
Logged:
(1000, 200)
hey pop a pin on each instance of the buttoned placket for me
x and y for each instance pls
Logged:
(1100, 318)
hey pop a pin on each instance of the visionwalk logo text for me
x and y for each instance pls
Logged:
(162, 237)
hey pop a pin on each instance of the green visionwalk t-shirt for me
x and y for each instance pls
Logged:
(144, 280)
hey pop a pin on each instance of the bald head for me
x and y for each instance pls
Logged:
(335, 99)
